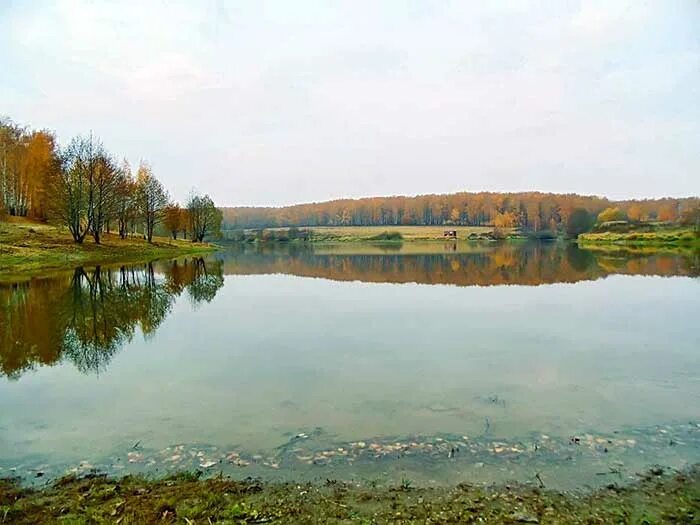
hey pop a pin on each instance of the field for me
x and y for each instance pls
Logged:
(28, 248)
(408, 233)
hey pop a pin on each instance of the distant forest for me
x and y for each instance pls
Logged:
(533, 211)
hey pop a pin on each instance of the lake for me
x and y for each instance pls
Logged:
(430, 362)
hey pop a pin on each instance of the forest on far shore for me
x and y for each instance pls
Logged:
(533, 211)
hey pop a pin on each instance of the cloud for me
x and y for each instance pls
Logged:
(276, 103)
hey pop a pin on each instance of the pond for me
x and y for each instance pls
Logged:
(434, 363)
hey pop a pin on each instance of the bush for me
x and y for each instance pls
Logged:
(580, 221)
(613, 226)
(544, 235)
(237, 235)
(499, 234)
(387, 236)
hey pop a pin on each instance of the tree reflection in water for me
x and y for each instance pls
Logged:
(87, 317)
(465, 264)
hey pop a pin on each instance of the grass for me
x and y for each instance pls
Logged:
(674, 236)
(28, 248)
(392, 233)
(655, 498)
(387, 236)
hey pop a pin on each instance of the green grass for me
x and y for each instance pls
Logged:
(674, 236)
(387, 236)
(96, 499)
(28, 249)
(390, 233)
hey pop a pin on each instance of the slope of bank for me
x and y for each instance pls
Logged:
(28, 249)
(656, 498)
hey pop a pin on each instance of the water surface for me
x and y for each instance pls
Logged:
(430, 362)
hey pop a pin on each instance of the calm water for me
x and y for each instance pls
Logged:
(429, 362)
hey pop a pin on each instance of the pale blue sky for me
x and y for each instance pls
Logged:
(282, 102)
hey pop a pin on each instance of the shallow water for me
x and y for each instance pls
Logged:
(430, 362)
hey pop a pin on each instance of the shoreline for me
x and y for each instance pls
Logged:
(657, 497)
(396, 235)
(679, 238)
(31, 250)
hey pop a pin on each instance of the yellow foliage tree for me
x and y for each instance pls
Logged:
(611, 214)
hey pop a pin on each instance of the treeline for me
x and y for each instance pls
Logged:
(83, 187)
(533, 211)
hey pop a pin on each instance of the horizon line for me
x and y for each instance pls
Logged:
(476, 192)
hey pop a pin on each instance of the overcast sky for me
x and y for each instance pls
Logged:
(284, 102)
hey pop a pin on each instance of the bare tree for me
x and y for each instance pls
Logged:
(204, 216)
(75, 185)
(125, 206)
(151, 198)
(105, 185)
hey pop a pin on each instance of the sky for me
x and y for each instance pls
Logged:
(278, 102)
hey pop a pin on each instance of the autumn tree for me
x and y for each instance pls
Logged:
(635, 213)
(28, 161)
(184, 222)
(668, 212)
(691, 217)
(151, 199)
(611, 214)
(205, 218)
(172, 218)
(505, 220)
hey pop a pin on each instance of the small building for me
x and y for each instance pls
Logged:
(450, 234)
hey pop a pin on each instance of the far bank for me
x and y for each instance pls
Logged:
(684, 238)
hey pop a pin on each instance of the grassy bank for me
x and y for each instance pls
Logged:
(407, 233)
(664, 237)
(656, 498)
(384, 234)
(28, 248)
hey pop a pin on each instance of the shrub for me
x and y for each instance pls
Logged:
(544, 235)
(498, 234)
(580, 221)
(613, 226)
(387, 236)
(237, 235)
